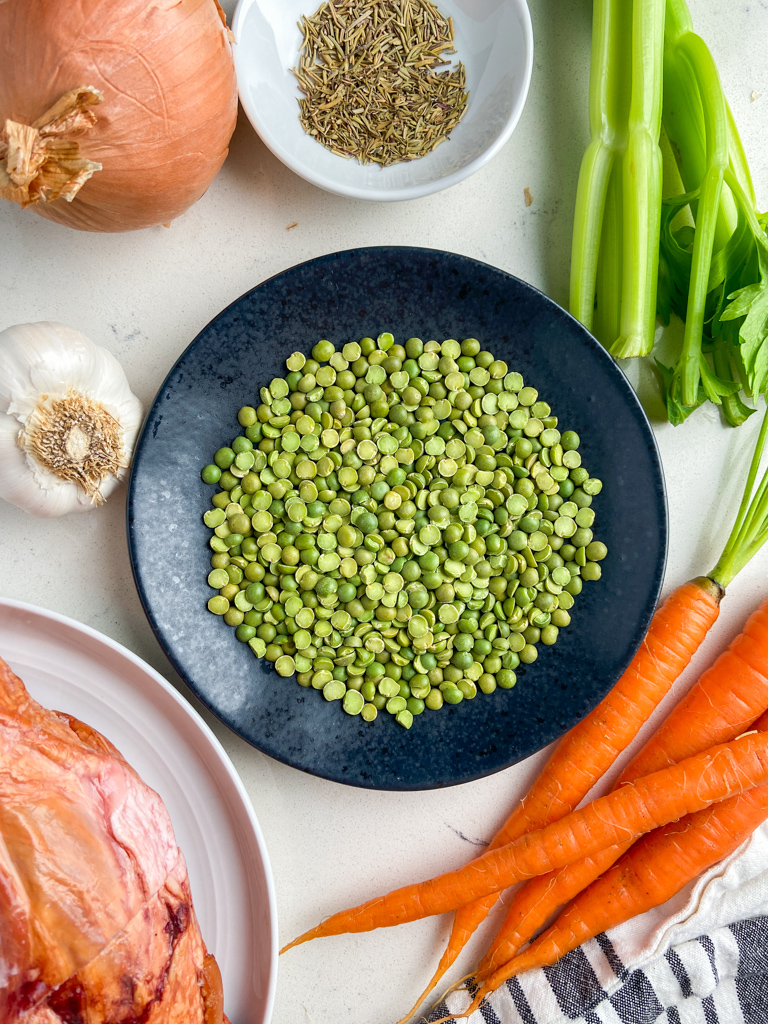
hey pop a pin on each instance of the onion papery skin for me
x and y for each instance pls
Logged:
(170, 99)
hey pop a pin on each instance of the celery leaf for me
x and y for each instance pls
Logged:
(751, 303)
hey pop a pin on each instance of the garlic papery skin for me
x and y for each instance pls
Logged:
(68, 420)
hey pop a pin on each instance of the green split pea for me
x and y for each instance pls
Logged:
(400, 526)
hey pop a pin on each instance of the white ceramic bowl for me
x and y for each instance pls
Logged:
(494, 41)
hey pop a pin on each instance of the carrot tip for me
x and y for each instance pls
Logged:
(452, 1016)
(456, 985)
(480, 995)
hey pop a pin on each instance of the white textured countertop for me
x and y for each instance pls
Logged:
(145, 295)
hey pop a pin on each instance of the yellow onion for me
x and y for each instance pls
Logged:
(114, 114)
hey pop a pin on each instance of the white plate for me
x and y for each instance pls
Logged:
(71, 668)
(494, 41)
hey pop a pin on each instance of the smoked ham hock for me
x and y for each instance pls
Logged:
(96, 917)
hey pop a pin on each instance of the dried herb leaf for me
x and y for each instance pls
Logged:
(375, 78)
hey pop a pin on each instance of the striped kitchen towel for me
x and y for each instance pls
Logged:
(701, 958)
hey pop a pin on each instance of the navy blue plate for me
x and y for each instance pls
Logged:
(408, 291)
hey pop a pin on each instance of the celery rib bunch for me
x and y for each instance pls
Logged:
(708, 242)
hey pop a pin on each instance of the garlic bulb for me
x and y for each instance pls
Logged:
(68, 420)
(113, 116)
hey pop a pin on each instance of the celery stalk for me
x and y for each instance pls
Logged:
(678, 19)
(609, 267)
(591, 191)
(642, 182)
(738, 161)
(609, 101)
(683, 120)
(694, 52)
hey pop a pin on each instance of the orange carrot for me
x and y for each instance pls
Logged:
(727, 699)
(653, 871)
(636, 808)
(590, 748)
(722, 703)
(535, 902)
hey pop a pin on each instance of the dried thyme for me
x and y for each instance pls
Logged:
(375, 77)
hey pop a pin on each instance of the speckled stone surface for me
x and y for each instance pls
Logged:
(430, 294)
(145, 294)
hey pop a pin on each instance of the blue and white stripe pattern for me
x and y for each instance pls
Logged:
(718, 978)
